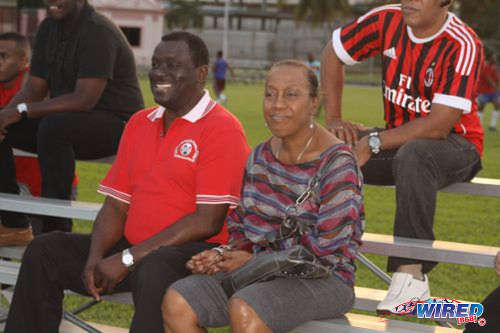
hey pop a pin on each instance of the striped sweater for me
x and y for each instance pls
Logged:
(335, 212)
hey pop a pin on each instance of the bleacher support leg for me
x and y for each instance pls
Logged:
(374, 268)
(85, 306)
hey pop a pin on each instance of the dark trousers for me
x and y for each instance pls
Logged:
(55, 261)
(58, 139)
(491, 314)
(419, 169)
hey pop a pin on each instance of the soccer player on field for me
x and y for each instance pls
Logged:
(430, 65)
(488, 89)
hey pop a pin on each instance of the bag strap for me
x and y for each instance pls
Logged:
(291, 225)
(315, 180)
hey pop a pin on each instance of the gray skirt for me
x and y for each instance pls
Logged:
(282, 304)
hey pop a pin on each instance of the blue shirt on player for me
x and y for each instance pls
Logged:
(220, 69)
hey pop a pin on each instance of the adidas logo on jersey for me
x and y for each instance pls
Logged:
(391, 53)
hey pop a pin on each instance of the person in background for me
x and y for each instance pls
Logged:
(277, 174)
(15, 52)
(177, 172)
(488, 89)
(219, 70)
(81, 89)
(432, 136)
(14, 60)
(315, 64)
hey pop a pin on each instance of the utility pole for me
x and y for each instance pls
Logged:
(225, 38)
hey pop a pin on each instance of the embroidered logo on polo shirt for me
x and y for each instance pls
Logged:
(187, 150)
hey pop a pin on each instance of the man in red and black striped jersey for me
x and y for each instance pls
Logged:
(431, 62)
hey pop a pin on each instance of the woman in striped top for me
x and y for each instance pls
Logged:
(277, 172)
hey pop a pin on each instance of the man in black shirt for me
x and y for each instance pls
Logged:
(84, 64)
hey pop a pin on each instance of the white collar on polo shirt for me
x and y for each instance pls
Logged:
(200, 110)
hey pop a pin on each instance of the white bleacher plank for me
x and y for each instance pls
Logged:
(477, 186)
(8, 272)
(355, 323)
(22, 153)
(13, 252)
(67, 327)
(441, 251)
(49, 207)
(368, 298)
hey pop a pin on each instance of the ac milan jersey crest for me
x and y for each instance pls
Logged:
(429, 77)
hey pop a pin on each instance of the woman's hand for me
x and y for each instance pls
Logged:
(232, 260)
(204, 262)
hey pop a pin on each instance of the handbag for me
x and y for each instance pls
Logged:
(294, 262)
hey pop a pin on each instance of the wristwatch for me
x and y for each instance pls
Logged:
(127, 258)
(374, 142)
(22, 108)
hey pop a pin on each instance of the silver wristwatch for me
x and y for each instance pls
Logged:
(22, 109)
(127, 258)
(374, 142)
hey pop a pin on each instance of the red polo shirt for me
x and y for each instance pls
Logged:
(200, 160)
(7, 94)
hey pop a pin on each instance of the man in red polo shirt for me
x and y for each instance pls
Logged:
(14, 58)
(178, 170)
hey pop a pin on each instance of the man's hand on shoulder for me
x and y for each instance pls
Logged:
(7, 117)
(346, 131)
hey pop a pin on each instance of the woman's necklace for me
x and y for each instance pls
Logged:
(299, 156)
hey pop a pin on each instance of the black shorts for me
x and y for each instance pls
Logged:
(220, 84)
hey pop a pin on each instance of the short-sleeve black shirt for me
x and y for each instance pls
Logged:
(95, 48)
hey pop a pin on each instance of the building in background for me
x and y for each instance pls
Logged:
(8, 15)
(140, 20)
(259, 32)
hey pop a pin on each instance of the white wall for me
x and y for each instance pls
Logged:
(150, 23)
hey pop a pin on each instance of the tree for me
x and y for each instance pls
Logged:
(482, 16)
(184, 14)
(321, 11)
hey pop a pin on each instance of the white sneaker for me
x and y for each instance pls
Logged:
(404, 288)
(223, 99)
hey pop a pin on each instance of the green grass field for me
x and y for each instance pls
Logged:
(459, 218)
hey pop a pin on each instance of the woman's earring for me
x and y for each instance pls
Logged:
(311, 125)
